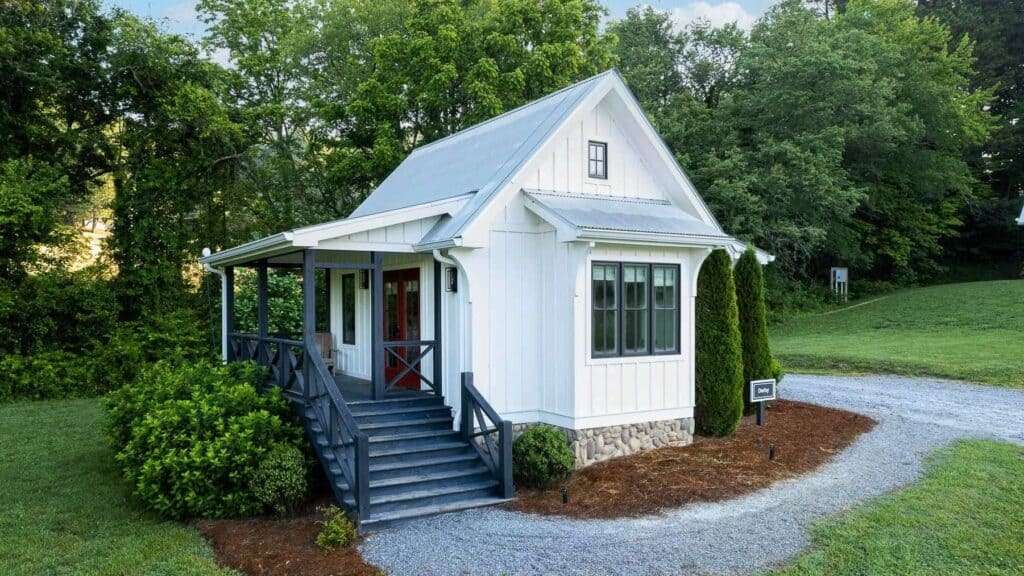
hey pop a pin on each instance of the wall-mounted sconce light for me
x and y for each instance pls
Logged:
(451, 279)
(364, 279)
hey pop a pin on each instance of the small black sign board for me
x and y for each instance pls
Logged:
(762, 391)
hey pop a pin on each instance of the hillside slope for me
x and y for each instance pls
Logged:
(972, 331)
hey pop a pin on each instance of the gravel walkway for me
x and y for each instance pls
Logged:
(736, 537)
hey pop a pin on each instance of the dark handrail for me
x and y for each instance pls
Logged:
(355, 469)
(498, 457)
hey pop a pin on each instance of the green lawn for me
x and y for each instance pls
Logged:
(64, 511)
(966, 517)
(972, 331)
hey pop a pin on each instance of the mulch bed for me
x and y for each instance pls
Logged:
(711, 469)
(279, 547)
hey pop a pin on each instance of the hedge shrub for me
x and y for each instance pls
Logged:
(46, 375)
(280, 482)
(541, 457)
(174, 336)
(719, 359)
(191, 437)
(757, 359)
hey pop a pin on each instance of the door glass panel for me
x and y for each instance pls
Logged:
(412, 310)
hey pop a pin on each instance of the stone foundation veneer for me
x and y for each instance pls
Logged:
(597, 444)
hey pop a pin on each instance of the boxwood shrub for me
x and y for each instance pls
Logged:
(191, 437)
(541, 457)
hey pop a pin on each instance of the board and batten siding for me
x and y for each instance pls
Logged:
(617, 390)
(561, 165)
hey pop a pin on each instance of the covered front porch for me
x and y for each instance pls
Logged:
(382, 334)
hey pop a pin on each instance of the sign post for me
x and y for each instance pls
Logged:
(762, 391)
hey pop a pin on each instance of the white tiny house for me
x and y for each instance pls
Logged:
(552, 252)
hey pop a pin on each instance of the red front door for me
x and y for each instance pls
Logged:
(402, 322)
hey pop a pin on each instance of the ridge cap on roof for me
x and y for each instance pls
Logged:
(519, 108)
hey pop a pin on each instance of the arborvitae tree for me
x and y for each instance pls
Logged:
(719, 361)
(757, 359)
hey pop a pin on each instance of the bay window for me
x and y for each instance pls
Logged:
(634, 309)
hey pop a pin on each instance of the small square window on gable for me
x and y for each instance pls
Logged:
(597, 160)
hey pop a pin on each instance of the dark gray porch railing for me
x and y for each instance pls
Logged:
(290, 361)
(412, 363)
(479, 423)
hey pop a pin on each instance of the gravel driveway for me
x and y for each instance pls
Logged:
(736, 537)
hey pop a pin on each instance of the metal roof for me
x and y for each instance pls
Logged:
(588, 212)
(477, 159)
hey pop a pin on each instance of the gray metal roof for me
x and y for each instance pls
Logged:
(588, 212)
(478, 159)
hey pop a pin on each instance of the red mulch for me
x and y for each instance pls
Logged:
(281, 547)
(711, 469)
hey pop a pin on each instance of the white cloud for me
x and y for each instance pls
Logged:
(716, 14)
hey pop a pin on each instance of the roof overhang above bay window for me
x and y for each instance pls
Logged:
(601, 218)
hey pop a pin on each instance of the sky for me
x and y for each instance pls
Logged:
(179, 15)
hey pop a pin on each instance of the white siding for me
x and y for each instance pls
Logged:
(562, 164)
(399, 236)
(618, 390)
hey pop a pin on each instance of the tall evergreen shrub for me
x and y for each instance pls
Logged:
(719, 361)
(757, 359)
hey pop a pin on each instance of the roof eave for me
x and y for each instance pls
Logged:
(267, 246)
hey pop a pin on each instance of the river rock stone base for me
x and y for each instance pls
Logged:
(596, 444)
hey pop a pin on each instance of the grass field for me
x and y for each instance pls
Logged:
(972, 331)
(965, 518)
(64, 511)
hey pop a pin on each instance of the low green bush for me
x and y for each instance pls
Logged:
(777, 371)
(46, 375)
(190, 437)
(541, 457)
(280, 482)
(336, 529)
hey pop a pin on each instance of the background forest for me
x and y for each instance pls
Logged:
(882, 135)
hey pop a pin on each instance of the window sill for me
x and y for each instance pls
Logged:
(648, 359)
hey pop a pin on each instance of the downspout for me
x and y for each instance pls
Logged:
(223, 307)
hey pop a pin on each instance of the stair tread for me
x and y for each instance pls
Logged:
(428, 492)
(427, 461)
(409, 513)
(428, 477)
(426, 399)
(396, 411)
(395, 423)
(418, 449)
(412, 435)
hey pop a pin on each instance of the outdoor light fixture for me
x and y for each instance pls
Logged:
(364, 279)
(452, 279)
(565, 495)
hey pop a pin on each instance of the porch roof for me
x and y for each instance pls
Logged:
(282, 246)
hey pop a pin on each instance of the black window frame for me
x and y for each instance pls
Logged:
(602, 162)
(344, 313)
(618, 311)
(620, 304)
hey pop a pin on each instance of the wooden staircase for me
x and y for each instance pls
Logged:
(418, 464)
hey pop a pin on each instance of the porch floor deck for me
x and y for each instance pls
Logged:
(355, 389)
